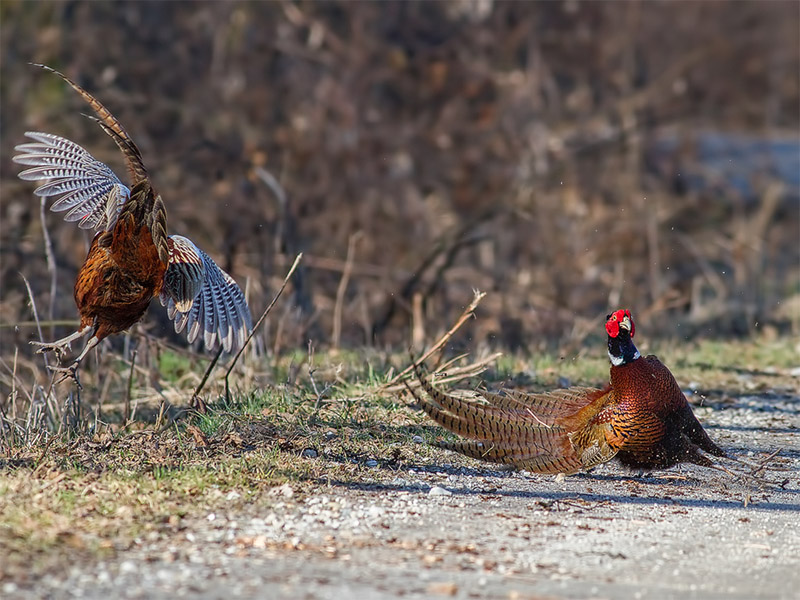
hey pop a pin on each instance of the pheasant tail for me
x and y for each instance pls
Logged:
(109, 123)
(530, 431)
(145, 205)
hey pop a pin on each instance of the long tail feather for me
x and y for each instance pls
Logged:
(109, 123)
(507, 428)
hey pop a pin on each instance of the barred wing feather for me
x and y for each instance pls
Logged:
(185, 274)
(89, 189)
(201, 297)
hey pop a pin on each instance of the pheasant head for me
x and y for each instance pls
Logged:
(621, 329)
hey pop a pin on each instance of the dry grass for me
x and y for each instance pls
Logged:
(91, 494)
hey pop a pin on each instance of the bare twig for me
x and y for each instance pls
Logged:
(449, 247)
(35, 315)
(311, 370)
(196, 401)
(261, 320)
(71, 416)
(51, 261)
(127, 413)
(49, 393)
(340, 291)
(756, 467)
(765, 461)
(466, 315)
(39, 462)
(450, 376)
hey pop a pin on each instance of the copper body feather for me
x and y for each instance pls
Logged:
(641, 418)
(131, 259)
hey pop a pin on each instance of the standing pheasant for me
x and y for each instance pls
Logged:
(131, 259)
(642, 418)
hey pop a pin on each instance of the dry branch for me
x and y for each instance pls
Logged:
(340, 291)
(446, 376)
(454, 374)
(196, 400)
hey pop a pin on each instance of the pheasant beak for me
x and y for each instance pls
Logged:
(625, 323)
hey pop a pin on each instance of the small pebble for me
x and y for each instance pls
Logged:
(371, 463)
(310, 453)
(284, 490)
(439, 491)
(443, 588)
(127, 566)
(417, 439)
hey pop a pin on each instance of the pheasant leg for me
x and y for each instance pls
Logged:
(71, 372)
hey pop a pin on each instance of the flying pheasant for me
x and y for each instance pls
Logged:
(131, 258)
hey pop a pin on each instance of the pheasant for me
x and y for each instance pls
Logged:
(641, 417)
(131, 259)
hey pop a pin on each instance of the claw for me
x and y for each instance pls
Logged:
(60, 349)
(70, 372)
(62, 346)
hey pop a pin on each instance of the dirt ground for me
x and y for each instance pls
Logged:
(439, 530)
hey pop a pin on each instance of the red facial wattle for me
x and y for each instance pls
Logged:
(612, 327)
(615, 318)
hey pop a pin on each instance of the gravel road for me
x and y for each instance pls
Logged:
(473, 532)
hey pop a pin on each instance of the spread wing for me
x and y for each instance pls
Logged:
(200, 296)
(88, 188)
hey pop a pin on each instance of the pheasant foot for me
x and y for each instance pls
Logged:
(63, 345)
(70, 372)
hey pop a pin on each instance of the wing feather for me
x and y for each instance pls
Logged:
(88, 188)
(201, 297)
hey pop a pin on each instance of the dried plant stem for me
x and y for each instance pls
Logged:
(127, 413)
(35, 317)
(311, 370)
(196, 400)
(162, 409)
(48, 410)
(51, 261)
(261, 320)
(39, 460)
(451, 376)
(340, 291)
(466, 315)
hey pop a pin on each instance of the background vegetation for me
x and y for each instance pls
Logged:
(566, 157)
